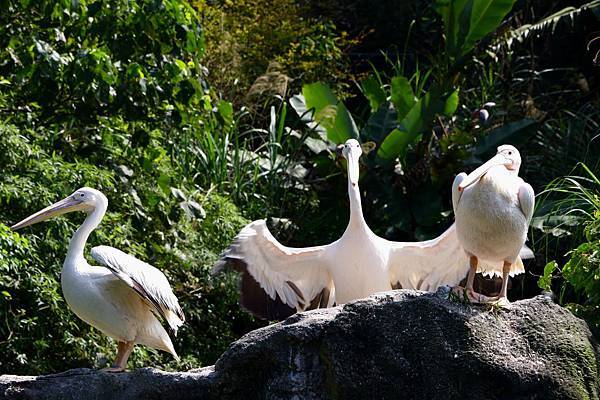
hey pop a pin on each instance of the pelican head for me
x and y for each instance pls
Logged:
(351, 150)
(507, 155)
(85, 199)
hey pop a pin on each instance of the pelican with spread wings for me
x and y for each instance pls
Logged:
(278, 281)
(124, 296)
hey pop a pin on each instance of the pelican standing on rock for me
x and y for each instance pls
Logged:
(277, 280)
(123, 297)
(493, 208)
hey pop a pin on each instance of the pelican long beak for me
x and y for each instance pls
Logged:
(353, 168)
(62, 207)
(474, 176)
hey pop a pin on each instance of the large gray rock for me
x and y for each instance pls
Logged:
(399, 344)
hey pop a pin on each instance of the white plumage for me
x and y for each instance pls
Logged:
(123, 297)
(279, 280)
(148, 282)
(493, 208)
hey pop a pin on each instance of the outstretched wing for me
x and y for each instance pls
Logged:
(430, 264)
(147, 281)
(277, 280)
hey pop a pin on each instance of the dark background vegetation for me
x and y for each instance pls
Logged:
(187, 116)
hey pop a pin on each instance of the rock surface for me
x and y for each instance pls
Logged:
(399, 344)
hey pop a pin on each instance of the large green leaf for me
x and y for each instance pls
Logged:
(403, 96)
(329, 112)
(374, 92)
(451, 104)
(417, 121)
(395, 143)
(467, 21)
(486, 16)
(451, 11)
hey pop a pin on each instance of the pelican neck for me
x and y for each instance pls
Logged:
(357, 219)
(80, 237)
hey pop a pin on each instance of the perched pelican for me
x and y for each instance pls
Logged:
(493, 208)
(277, 280)
(123, 297)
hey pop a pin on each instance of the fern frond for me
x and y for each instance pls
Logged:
(550, 22)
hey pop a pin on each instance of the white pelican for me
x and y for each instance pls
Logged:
(493, 208)
(278, 280)
(122, 297)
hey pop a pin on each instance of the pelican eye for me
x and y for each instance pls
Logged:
(82, 195)
(510, 153)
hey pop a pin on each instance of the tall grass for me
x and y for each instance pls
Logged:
(258, 168)
(572, 221)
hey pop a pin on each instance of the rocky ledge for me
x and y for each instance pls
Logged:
(398, 344)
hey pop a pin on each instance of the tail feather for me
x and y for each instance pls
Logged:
(173, 320)
(491, 270)
(153, 334)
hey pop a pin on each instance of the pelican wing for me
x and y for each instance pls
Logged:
(456, 194)
(147, 281)
(430, 264)
(277, 280)
(526, 200)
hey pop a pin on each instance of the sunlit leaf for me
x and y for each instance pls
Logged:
(329, 112)
(417, 121)
(403, 96)
(486, 16)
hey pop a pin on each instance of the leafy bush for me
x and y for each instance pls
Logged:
(77, 61)
(111, 95)
(42, 335)
(576, 213)
(244, 37)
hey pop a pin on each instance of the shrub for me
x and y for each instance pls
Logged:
(244, 37)
(110, 95)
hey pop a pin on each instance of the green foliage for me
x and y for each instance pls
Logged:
(545, 281)
(165, 229)
(111, 95)
(413, 118)
(576, 215)
(464, 24)
(329, 112)
(244, 37)
(568, 14)
(583, 270)
(418, 119)
(74, 62)
(468, 21)
(582, 197)
(516, 132)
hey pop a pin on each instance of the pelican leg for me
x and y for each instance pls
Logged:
(468, 292)
(472, 295)
(502, 300)
(471, 277)
(124, 350)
